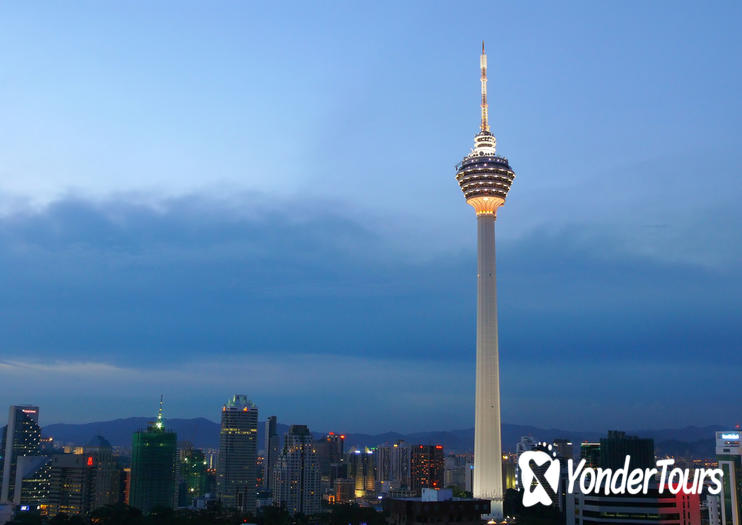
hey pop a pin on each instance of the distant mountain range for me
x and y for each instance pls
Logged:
(204, 433)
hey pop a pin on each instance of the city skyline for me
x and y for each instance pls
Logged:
(145, 213)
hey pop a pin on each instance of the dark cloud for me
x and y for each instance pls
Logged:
(157, 286)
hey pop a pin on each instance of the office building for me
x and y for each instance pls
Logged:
(653, 507)
(296, 480)
(33, 483)
(485, 179)
(106, 488)
(192, 475)
(21, 437)
(729, 457)
(435, 506)
(393, 466)
(426, 467)
(362, 469)
(238, 451)
(590, 452)
(153, 463)
(615, 448)
(272, 449)
(330, 451)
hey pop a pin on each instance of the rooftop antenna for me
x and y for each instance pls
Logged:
(483, 66)
(159, 423)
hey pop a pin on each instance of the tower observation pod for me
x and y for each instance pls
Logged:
(485, 179)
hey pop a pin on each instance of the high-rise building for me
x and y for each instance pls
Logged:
(72, 484)
(362, 469)
(192, 475)
(272, 449)
(238, 453)
(426, 467)
(153, 458)
(525, 444)
(394, 466)
(33, 483)
(564, 448)
(329, 452)
(295, 482)
(107, 476)
(590, 452)
(485, 179)
(21, 438)
(615, 448)
(457, 471)
(729, 456)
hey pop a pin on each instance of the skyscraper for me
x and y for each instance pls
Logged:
(295, 482)
(153, 456)
(394, 465)
(21, 438)
(485, 179)
(192, 475)
(272, 449)
(615, 448)
(99, 454)
(362, 468)
(238, 454)
(426, 467)
(329, 452)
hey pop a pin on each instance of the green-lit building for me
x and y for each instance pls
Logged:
(192, 476)
(153, 476)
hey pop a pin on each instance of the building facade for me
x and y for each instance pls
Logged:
(652, 508)
(362, 470)
(296, 481)
(238, 454)
(152, 481)
(21, 437)
(729, 457)
(394, 466)
(272, 449)
(427, 465)
(435, 506)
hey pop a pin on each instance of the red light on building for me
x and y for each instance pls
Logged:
(342, 436)
(90, 461)
(332, 433)
(439, 447)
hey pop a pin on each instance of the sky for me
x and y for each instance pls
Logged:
(202, 199)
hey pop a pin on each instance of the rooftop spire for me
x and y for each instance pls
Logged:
(483, 65)
(159, 423)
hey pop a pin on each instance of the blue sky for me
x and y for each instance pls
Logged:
(200, 199)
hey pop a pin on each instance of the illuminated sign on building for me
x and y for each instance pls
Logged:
(730, 435)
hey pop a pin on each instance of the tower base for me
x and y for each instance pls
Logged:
(496, 511)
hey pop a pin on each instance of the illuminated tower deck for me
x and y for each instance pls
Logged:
(485, 179)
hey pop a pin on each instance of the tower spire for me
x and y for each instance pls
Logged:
(483, 65)
(159, 423)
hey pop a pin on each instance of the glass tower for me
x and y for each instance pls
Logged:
(237, 468)
(21, 438)
(153, 457)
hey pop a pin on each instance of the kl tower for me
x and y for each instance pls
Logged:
(485, 179)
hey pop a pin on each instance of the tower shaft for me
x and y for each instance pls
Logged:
(487, 438)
